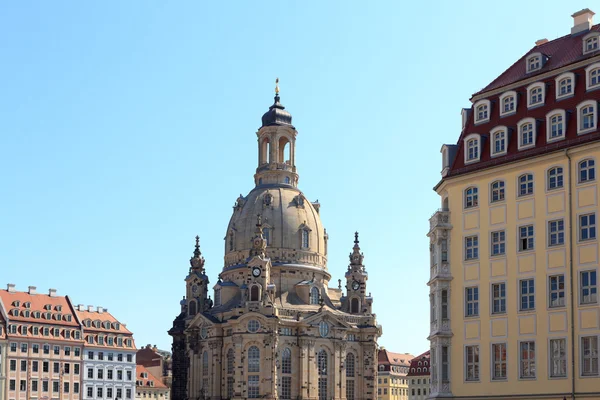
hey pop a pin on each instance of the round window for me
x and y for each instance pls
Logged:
(323, 328)
(253, 326)
(204, 332)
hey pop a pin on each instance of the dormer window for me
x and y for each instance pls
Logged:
(590, 42)
(472, 148)
(555, 125)
(498, 142)
(535, 62)
(535, 95)
(593, 76)
(587, 117)
(565, 85)
(508, 103)
(482, 111)
(17, 303)
(305, 238)
(527, 133)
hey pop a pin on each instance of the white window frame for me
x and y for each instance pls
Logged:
(472, 136)
(580, 108)
(485, 103)
(474, 197)
(530, 360)
(594, 358)
(560, 301)
(530, 88)
(520, 124)
(590, 298)
(529, 237)
(588, 77)
(501, 191)
(557, 361)
(540, 58)
(521, 294)
(500, 362)
(561, 77)
(505, 95)
(549, 116)
(556, 177)
(501, 298)
(591, 36)
(526, 174)
(474, 247)
(472, 369)
(557, 232)
(493, 132)
(590, 228)
(587, 169)
(473, 302)
(498, 238)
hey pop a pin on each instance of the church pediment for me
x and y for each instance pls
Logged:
(328, 317)
(259, 261)
(201, 320)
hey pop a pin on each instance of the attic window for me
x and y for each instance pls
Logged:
(535, 94)
(534, 62)
(58, 308)
(48, 307)
(590, 42)
(472, 150)
(482, 111)
(27, 305)
(16, 303)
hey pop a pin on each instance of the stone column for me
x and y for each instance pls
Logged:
(238, 373)
(216, 346)
(340, 370)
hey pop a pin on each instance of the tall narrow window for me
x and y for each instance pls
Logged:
(587, 227)
(497, 191)
(286, 369)
(587, 171)
(526, 238)
(527, 360)
(253, 370)
(205, 363)
(267, 235)
(526, 134)
(350, 373)
(472, 302)
(305, 239)
(587, 118)
(444, 304)
(558, 358)
(498, 243)
(286, 361)
(445, 364)
(498, 298)
(556, 126)
(525, 184)
(322, 373)
(508, 104)
(471, 248)
(556, 232)
(230, 371)
(472, 363)
(499, 142)
(557, 291)
(314, 295)
(527, 294)
(589, 353)
(555, 178)
(588, 287)
(472, 149)
(471, 197)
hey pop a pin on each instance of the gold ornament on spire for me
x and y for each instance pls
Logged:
(276, 85)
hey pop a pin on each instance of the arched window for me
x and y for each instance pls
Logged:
(565, 86)
(287, 180)
(534, 63)
(267, 235)
(205, 363)
(322, 372)
(482, 112)
(350, 371)
(314, 295)
(525, 184)
(473, 149)
(535, 93)
(354, 305)
(508, 104)
(286, 361)
(497, 191)
(284, 150)
(265, 151)
(587, 117)
(230, 361)
(590, 44)
(471, 197)
(253, 370)
(192, 307)
(526, 134)
(595, 77)
(499, 141)
(254, 293)
(587, 171)
(555, 178)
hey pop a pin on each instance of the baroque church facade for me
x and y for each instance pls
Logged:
(275, 329)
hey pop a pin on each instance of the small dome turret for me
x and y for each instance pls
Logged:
(276, 114)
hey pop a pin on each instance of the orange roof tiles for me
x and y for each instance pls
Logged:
(145, 382)
(103, 316)
(386, 356)
(18, 305)
(419, 366)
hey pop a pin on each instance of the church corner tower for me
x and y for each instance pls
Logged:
(275, 329)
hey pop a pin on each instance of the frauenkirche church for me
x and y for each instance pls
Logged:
(275, 329)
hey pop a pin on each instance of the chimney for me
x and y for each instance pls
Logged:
(582, 21)
(32, 290)
(10, 288)
(90, 308)
(100, 309)
(52, 292)
(80, 307)
(541, 42)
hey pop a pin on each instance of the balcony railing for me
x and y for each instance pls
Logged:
(440, 219)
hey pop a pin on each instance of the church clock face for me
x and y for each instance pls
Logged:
(256, 272)
(355, 285)
(194, 288)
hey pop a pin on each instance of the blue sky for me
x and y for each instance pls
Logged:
(128, 127)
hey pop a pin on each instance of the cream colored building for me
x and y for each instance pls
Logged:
(392, 383)
(418, 377)
(3, 349)
(276, 329)
(514, 246)
(149, 386)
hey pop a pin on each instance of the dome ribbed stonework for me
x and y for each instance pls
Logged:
(285, 214)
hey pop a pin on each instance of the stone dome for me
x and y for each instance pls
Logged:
(291, 224)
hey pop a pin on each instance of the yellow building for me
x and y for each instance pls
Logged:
(514, 248)
(3, 347)
(392, 383)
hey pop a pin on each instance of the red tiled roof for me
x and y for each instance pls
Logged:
(44, 303)
(140, 370)
(387, 357)
(539, 114)
(103, 316)
(560, 52)
(424, 367)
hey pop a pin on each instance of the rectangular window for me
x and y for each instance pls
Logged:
(12, 385)
(557, 290)
(90, 355)
(56, 368)
(119, 375)
(66, 387)
(499, 298)
(77, 351)
(100, 374)
(444, 304)
(527, 360)
(587, 227)
(76, 369)
(129, 358)
(46, 349)
(589, 350)
(109, 393)
(445, 364)
(109, 374)
(253, 387)
(35, 348)
(119, 357)
(67, 368)
(526, 237)
(556, 232)
(99, 392)
(34, 386)
(527, 294)
(472, 363)
(56, 350)
(23, 347)
(558, 358)
(230, 383)
(45, 366)
(119, 393)
(55, 386)
(23, 365)
(100, 355)
(472, 301)
(13, 365)
(110, 356)
(76, 387)
(23, 385)
(498, 243)
(45, 386)
(90, 373)
(471, 248)
(13, 347)
(349, 389)
(128, 375)
(35, 366)
(90, 391)
(67, 351)
(588, 287)
(127, 393)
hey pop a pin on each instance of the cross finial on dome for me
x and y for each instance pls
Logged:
(197, 247)
(197, 261)
(355, 237)
(277, 86)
